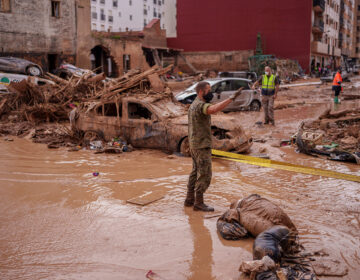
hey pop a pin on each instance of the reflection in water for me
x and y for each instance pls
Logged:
(201, 265)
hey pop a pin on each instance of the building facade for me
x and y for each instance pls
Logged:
(347, 14)
(356, 33)
(57, 32)
(325, 51)
(131, 15)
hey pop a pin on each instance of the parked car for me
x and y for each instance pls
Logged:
(222, 88)
(153, 122)
(66, 70)
(239, 74)
(328, 79)
(20, 66)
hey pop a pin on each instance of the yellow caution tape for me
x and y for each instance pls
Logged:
(284, 166)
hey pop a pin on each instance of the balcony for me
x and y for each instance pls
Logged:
(319, 6)
(318, 26)
(319, 47)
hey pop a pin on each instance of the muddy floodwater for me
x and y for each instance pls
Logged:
(59, 221)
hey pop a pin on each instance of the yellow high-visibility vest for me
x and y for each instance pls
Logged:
(268, 82)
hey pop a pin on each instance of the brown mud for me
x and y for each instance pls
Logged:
(58, 221)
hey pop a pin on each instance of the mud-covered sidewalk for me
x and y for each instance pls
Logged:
(60, 221)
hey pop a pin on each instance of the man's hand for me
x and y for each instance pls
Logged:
(236, 94)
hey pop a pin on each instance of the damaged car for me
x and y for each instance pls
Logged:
(223, 88)
(20, 66)
(154, 122)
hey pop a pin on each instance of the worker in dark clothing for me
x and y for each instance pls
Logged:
(337, 85)
(269, 88)
(200, 144)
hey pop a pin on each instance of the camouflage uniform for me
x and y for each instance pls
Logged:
(200, 146)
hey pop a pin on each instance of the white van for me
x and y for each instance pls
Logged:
(7, 78)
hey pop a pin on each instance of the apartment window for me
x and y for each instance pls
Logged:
(159, 2)
(94, 15)
(357, 50)
(163, 26)
(358, 7)
(154, 12)
(130, 2)
(145, 12)
(163, 1)
(94, 26)
(102, 1)
(110, 18)
(115, 3)
(102, 27)
(5, 6)
(155, 2)
(55, 9)
(119, 14)
(93, 1)
(102, 15)
(126, 62)
(130, 17)
(145, 23)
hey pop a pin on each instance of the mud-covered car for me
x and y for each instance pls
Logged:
(20, 66)
(153, 122)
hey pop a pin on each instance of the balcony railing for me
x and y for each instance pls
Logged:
(319, 5)
(318, 26)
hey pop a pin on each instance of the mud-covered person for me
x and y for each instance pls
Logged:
(269, 88)
(200, 144)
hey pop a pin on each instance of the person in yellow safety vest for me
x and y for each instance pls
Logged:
(337, 85)
(269, 89)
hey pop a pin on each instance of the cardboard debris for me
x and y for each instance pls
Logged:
(146, 198)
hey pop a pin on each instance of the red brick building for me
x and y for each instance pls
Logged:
(217, 26)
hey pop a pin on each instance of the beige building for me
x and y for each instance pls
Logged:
(356, 33)
(325, 49)
(346, 32)
(46, 31)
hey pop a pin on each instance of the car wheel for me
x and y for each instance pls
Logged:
(33, 71)
(255, 106)
(185, 147)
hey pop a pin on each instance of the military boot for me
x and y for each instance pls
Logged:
(190, 198)
(200, 205)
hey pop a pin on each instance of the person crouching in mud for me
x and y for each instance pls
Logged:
(200, 144)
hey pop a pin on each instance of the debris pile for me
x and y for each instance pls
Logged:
(340, 136)
(288, 70)
(52, 102)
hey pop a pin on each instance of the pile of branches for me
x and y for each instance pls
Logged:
(53, 101)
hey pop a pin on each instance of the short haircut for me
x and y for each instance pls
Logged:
(201, 86)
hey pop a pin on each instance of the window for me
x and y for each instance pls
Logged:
(119, 14)
(93, 27)
(159, 2)
(102, 1)
(137, 111)
(145, 12)
(94, 15)
(145, 23)
(110, 18)
(102, 27)
(228, 58)
(115, 3)
(236, 84)
(55, 9)
(130, 2)
(163, 1)
(102, 15)
(154, 12)
(130, 17)
(110, 110)
(126, 62)
(155, 2)
(358, 7)
(99, 110)
(5, 6)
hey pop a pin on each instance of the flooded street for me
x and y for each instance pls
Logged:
(59, 221)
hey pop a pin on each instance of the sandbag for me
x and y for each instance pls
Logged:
(258, 214)
(229, 227)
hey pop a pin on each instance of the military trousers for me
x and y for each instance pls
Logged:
(201, 173)
(268, 105)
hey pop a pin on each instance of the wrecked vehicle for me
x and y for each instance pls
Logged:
(150, 121)
(21, 66)
(239, 74)
(222, 88)
(66, 70)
